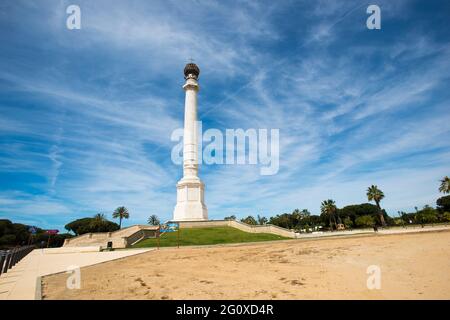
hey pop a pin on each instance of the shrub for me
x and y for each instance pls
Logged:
(5, 227)
(7, 240)
(348, 222)
(365, 221)
(426, 215)
(446, 216)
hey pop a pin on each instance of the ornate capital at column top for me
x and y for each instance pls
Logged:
(191, 70)
(191, 84)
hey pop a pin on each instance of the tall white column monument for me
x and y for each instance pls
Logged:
(190, 189)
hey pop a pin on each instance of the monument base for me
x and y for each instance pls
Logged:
(190, 200)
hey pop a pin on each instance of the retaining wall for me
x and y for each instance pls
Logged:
(268, 228)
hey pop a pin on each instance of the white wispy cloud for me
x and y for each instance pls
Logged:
(90, 122)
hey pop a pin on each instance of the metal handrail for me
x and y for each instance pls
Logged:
(9, 258)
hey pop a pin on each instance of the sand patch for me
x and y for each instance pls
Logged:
(414, 266)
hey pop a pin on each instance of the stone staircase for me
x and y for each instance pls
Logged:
(122, 238)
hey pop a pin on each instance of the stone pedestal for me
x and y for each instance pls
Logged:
(190, 202)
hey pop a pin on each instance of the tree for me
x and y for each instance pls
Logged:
(249, 220)
(99, 219)
(21, 233)
(5, 227)
(357, 210)
(261, 220)
(443, 204)
(445, 185)
(348, 223)
(98, 222)
(375, 194)
(328, 211)
(398, 222)
(14, 234)
(305, 213)
(232, 217)
(446, 216)
(7, 240)
(57, 240)
(153, 220)
(365, 221)
(121, 213)
(88, 225)
(79, 226)
(426, 215)
(285, 220)
(298, 219)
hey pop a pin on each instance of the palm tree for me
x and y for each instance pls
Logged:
(328, 209)
(153, 220)
(98, 221)
(445, 185)
(100, 217)
(121, 213)
(305, 213)
(249, 220)
(375, 194)
(261, 220)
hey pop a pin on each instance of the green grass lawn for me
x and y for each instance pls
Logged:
(204, 236)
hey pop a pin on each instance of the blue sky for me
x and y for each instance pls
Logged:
(86, 115)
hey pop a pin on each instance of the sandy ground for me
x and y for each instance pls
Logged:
(19, 283)
(413, 266)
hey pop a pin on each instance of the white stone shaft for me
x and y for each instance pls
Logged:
(190, 189)
(190, 146)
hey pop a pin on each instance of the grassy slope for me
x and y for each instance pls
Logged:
(203, 236)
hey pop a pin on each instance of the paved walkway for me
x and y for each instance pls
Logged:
(20, 283)
(389, 230)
